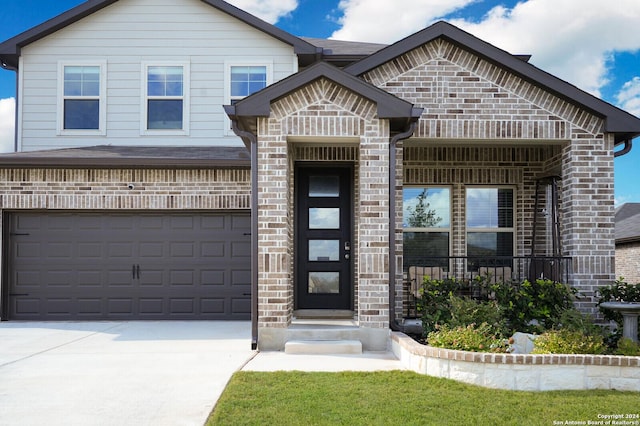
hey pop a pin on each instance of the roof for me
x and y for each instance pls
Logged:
(397, 110)
(626, 126)
(10, 49)
(108, 156)
(342, 53)
(628, 223)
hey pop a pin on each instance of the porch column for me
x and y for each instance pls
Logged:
(373, 229)
(588, 228)
(275, 287)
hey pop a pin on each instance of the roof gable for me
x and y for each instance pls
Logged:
(624, 125)
(10, 49)
(388, 105)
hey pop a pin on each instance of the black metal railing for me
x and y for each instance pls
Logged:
(506, 269)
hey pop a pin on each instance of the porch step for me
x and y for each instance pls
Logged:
(323, 347)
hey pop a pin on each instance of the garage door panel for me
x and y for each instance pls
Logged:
(129, 266)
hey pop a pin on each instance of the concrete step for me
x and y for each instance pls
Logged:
(323, 347)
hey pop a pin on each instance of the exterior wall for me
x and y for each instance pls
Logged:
(322, 122)
(124, 35)
(498, 117)
(628, 262)
(106, 189)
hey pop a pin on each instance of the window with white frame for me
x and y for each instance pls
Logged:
(81, 100)
(166, 98)
(242, 80)
(490, 222)
(426, 223)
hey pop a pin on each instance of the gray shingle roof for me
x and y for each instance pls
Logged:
(628, 223)
(107, 156)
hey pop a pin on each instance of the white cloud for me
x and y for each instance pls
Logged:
(384, 21)
(572, 39)
(267, 10)
(629, 96)
(7, 120)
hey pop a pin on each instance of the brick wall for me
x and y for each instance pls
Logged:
(511, 132)
(628, 262)
(107, 189)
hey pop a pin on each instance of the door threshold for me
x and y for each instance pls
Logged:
(328, 314)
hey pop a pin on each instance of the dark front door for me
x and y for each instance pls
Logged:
(323, 227)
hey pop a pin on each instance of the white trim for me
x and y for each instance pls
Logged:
(19, 97)
(268, 64)
(102, 99)
(186, 104)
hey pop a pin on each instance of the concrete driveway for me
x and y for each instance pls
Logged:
(117, 373)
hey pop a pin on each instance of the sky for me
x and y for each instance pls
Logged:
(592, 44)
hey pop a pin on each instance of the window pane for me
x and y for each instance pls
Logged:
(164, 114)
(246, 80)
(489, 244)
(165, 81)
(324, 282)
(425, 249)
(324, 250)
(489, 208)
(324, 218)
(81, 81)
(324, 186)
(426, 208)
(81, 114)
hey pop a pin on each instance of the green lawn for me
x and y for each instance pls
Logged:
(403, 398)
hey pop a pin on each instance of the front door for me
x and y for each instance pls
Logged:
(323, 227)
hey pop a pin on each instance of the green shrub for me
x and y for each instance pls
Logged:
(533, 307)
(465, 311)
(481, 338)
(565, 341)
(434, 303)
(628, 347)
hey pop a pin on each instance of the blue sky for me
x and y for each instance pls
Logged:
(558, 33)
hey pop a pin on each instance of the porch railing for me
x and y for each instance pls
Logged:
(495, 269)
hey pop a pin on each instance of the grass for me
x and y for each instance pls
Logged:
(402, 398)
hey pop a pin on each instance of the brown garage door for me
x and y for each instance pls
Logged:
(95, 266)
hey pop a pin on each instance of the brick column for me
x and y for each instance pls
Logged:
(588, 229)
(373, 231)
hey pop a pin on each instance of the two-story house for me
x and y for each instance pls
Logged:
(186, 160)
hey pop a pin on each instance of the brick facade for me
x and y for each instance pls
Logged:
(628, 262)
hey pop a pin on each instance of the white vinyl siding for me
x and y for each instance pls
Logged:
(127, 34)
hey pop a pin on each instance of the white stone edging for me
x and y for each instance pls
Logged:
(519, 372)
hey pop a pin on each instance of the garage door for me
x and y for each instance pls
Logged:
(93, 266)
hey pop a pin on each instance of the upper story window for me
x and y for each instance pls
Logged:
(426, 225)
(242, 80)
(81, 105)
(166, 102)
(490, 222)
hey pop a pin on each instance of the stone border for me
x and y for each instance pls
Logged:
(518, 371)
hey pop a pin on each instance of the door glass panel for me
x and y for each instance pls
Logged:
(324, 218)
(324, 250)
(324, 282)
(324, 186)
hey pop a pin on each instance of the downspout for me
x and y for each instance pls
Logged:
(393, 323)
(628, 144)
(253, 150)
